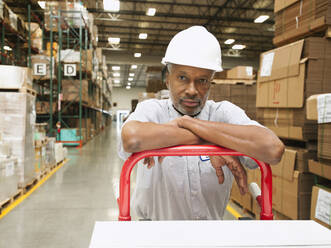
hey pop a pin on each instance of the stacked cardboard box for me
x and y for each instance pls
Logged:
(287, 76)
(145, 95)
(42, 107)
(36, 36)
(41, 67)
(242, 95)
(245, 200)
(291, 184)
(154, 79)
(297, 19)
(71, 89)
(318, 110)
(320, 205)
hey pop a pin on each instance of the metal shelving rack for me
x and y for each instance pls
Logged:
(76, 38)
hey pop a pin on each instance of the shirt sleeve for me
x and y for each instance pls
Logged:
(146, 111)
(230, 113)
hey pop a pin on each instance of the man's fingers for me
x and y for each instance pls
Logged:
(160, 159)
(151, 162)
(238, 172)
(217, 162)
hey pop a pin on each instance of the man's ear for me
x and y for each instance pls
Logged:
(167, 79)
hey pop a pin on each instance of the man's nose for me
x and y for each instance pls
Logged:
(191, 89)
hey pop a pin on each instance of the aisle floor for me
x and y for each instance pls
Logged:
(62, 212)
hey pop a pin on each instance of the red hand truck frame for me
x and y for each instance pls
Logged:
(265, 200)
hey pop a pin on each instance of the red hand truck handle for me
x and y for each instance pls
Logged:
(191, 150)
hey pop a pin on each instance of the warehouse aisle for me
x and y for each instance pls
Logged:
(62, 212)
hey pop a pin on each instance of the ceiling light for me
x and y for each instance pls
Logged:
(8, 48)
(134, 66)
(131, 74)
(130, 79)
(143, 36)
(151, 12)
(129, 84)
(238, 47)
(261, 18)
(111, 5)
(42, 4)
(128, 87)
(116, 68)
(113, 40)
(229, 41)
(117, 74)
(137, 55)
(117, 81)
(97, 39)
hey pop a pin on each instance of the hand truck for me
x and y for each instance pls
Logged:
(264, 199)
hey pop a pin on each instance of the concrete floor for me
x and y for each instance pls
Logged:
(62, 212)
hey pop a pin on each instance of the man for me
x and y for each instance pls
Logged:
(186, 188)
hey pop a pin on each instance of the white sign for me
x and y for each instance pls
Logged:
(39, 69)
(323, 206)
(267, 62)
(70, 70)
(10, 169)
(324, 108)
(249, 71)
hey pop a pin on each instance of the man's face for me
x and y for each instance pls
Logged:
(189, 87)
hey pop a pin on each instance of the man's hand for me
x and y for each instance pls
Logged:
(235, 167)
(151, 162)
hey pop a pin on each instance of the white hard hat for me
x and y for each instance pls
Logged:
(195, 47)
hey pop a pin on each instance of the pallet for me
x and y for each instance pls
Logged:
(21, 90)
(5, 203)
(28, 186)
(244, 210)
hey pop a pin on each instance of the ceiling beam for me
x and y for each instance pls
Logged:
(181, 16)
(176, 30)
(196, 5)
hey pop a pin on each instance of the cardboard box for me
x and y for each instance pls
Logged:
(320, 206)
(241, 95)
(243, 200)
(302, 67)
(324, 141)
(241, 72)
(291, 188)
(321, 168)
(71, 89)
(145, 95)
(40, 61)
(318, 107)
(296, 19)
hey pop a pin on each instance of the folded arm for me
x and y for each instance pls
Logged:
(140, 136)
(255, 141)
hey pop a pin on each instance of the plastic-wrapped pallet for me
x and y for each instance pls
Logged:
(59, 152)
(50, 153)
(18, 116)
(16, 77)
(8, 178)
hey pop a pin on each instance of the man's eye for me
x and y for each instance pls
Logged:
(203, 81)
(182, 78)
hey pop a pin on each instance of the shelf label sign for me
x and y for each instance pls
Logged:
(70, 70)
(39, 69)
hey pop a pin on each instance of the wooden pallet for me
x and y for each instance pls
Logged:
(28, 186)
(20, 90)
(5, 203)
(244, 210)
